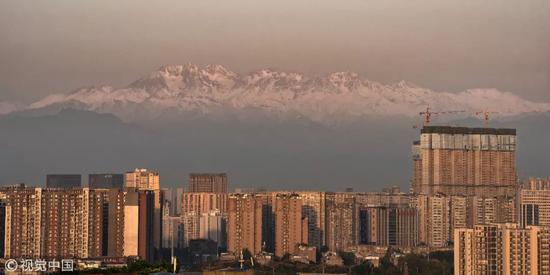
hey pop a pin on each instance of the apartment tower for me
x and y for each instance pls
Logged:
(502, 249)
(244, 226)
(288, 223)
(147, 180)
(207, 182)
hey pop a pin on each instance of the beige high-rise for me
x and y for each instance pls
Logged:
(535, 203)
(197, 207)
(23, 222)
(288, 223)
(203, 202)
(244, 226)
(465, 161)
(191, 227)
(433, 219)
(313, 208)
(143, 179)
(148, 180)
(342, 223)
(502, 249)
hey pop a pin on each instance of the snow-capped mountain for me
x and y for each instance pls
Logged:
(214, 90)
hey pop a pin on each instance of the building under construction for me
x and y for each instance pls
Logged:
(465, 161)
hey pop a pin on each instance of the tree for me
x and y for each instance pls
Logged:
(362, 269)
(348, 257)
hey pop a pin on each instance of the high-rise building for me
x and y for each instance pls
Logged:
(288, 223)
(402, 227)
(465, 161)
(244, 226)
(459, 217)
(486, 210)
(203, 202)
(63, 181)
(23, 217)
(342, 223)
(175, 197)
(138, 224)
(212, 227)
(196, 210)
(389, 226)
(147, 180)
(535, 204)
(463, 177)
(54, 223)
(143, 179)
(64, 223)
(434, 224)
(148, 225)
(105, 181)
(373, 225)
(206, 182)
(530, 214)
(537, 184)
(502, 249)
(117, 225)
(439, 215)
(2, 228)
(191, 227)
(416, 182)
(172, 235)
(46, 223)
(313, 208)
(98, 227)
(267, 200)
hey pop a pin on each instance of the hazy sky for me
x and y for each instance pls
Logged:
(57, 46)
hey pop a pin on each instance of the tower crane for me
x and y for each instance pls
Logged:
(428, 114)
(486, 116)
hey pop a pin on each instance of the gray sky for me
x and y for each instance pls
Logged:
(57, 46)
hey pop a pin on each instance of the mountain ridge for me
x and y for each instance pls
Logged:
(178, 90)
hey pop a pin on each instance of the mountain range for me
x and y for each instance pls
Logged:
(183, 91)
(266, 129)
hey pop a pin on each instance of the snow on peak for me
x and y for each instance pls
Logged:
(271, 80)
(189, 76)
(338, 96)
(345, 80)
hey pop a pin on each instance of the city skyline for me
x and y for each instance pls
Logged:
(464, 187)
(294, 137)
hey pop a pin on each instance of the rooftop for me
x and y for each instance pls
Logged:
(466, 130)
